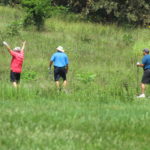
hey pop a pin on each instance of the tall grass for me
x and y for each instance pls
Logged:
(68, 125)
(108, 52)
(98, 112)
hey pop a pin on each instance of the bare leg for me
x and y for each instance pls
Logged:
(57, 84)
(64, 83)
(143, 88)
(64, 86)
(14, 84)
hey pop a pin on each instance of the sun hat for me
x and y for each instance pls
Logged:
(17, 49)
(60, 48)
(146, 50)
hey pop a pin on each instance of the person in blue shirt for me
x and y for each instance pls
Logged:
(60, 62)
(146, 75)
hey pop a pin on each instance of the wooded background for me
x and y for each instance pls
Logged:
(135, 12)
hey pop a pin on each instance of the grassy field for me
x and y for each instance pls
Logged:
(47, 124)
(99, 112)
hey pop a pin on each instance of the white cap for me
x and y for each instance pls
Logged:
(60, 48)
(17, 49)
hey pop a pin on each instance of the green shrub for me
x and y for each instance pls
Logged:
(29, 75)
(36, 12)
(14, 28)
(128, 39)
(86, 77)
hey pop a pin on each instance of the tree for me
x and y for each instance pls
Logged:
(74, 5)
(36, 12)
(121, 11)
(10, 2)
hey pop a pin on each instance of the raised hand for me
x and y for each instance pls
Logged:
(5, 43)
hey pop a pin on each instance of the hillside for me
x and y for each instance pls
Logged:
(104, 55)
(98, 112)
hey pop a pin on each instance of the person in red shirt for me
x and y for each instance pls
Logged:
(16, 63)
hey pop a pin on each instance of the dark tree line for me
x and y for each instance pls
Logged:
(120, 11)
(10, 2)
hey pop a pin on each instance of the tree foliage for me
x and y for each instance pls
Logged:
(10, 2)
(36, 12)
(124, 11)
(120, 11)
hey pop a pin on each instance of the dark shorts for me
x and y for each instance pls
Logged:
(15, 77)
(59, 72)
(146, 77)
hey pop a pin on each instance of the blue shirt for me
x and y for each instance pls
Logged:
(59, 59)
(146, 62)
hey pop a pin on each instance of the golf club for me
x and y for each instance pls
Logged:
(50, 73)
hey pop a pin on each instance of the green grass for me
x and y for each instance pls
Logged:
(99, 112)
(66, 124)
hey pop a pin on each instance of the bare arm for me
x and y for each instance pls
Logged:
(7, 46)
(23, 46)
(67, 68)
(50, 64)
(140, 65)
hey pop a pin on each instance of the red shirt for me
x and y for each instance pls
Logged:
(17, 61)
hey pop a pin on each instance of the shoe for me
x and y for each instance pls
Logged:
(141, 96)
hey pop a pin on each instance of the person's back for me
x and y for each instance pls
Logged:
(60, 59)
(17, 61)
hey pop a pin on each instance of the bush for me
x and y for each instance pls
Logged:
(36, 12)
(14, 28)
(128, 39)
(29, 75)
(86, 77)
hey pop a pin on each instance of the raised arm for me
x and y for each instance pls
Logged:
(7, 46)
(23, 46)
